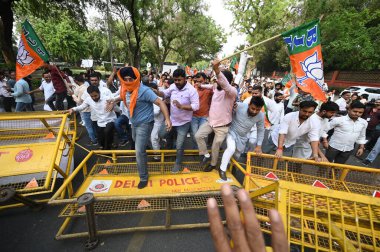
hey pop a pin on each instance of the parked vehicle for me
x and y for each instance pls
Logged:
(373, 92)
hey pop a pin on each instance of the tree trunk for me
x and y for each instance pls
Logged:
(136, 32)
(6, 25)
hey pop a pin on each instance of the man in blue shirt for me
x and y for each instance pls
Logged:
(140, 110)
(20, 92)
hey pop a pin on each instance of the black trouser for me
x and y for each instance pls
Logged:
(105, 135)
(8, 102)
(58, 98)
(337, 156)
(70, 102)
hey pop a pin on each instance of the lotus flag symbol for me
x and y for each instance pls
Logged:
(23, 56)
(313, 69)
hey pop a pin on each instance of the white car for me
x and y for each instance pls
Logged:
(373, 92)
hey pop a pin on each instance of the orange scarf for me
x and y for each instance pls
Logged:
(132, 87)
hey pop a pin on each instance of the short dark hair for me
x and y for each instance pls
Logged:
(201, 74)
(179, 73)
(345, 92)
(308, 104)
(329, 106)
(98, 74)
(68, 71)
(357, 104)
(79, 78)
(257, 101)
(228, 75)
(93, 88)
(258, 87)
(46, 72)
(94, 75)
(278, 94)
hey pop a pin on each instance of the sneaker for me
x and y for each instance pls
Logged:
(91, 143)
(175, 168)
(204, 160)
(366, 162)
(123, 143)
(142, 184)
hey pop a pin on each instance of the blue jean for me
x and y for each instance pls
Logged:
(181, 137)
(196, 122)
(124, 134)
(374, 152)
(141, 136)
(86, 118)
(20, 106)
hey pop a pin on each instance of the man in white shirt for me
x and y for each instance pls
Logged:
(348, 130)
(343, 102)
(5, 91)
(98, 102)
(95, 81)
(46, 87)
(302, 148)
(294, 125)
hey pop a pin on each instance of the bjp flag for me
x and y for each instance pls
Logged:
(304, 47)
(31, 52)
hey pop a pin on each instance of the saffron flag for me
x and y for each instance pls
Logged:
(188, 70)
(31, 52)
(234, 65)
(304, 47)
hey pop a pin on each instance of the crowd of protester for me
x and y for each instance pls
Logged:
(148, 110)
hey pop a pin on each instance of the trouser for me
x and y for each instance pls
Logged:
(228, 153)
(8, 102)
(123, 134)
(140, 135)
(270, 147)
(220, 135)
(181, 137)
(374, 152)
(70, 102)
(20, 106)
(337, 156)
(105, 135)
(154, 135)
(58, 98)
(86, 118)
(196, 122)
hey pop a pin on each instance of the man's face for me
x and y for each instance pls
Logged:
(279, 98)
(199, 80)
(305, 113)
(346, 96)
(355, 113)
(95, 96)
(256, 93)
(250, 90)
(150, 78)
(278, 87)
(253, 110)
(13, 75)
(94, 81)
(328, 114)
(128, 79)
(47, 77)
(180, 82)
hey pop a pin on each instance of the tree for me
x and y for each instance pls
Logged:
(40, 9)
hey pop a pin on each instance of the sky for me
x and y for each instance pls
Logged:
(222, 17)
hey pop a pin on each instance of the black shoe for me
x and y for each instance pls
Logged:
(222, 175)
(91, 143)
(366, 162)
(209, 168)
(205, 160)
(142, 184)
(123, 143)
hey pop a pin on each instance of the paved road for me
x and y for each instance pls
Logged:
(24, 230)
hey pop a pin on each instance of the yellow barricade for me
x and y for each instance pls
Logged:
(34, 148)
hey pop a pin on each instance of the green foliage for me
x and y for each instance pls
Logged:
(350, 30)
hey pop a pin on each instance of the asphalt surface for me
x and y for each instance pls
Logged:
(22, 229)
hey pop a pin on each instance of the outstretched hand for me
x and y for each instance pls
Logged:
(246, 235)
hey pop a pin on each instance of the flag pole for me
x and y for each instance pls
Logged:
(250, 47)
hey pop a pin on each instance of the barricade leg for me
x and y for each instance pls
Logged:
(8, 193)
(87, 200)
